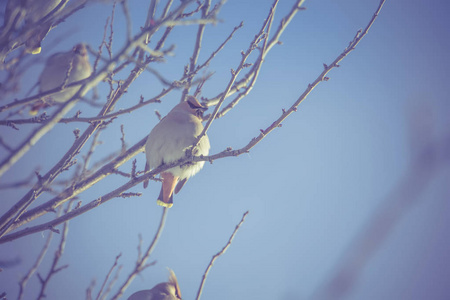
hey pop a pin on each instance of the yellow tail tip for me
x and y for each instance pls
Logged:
(36, 50)
(161, 203)
(33, 112)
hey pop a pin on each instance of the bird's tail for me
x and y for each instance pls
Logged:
(164, 202)
(37, 106)
(168, 185)
(147, 167)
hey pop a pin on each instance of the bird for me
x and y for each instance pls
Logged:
(32, 19)
(162, 291)
(73, 65)
(168, 142)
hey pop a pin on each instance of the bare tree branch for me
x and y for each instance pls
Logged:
(275, 39)
(36, 265)
(35, 136)
(234, 73)
(58, 254)
(258, 65)
(16, 217)
(277, 123)
(89, 290)
(126, 13)
(107, 278)
(11, 39)
(71, 192)
(21, 183)
(14, 213)
(229, 152)
(221, 252)
(197, 46)
(141, 262)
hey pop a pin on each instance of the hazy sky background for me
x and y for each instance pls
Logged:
(310, 186)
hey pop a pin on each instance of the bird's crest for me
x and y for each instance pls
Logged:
(173, 280)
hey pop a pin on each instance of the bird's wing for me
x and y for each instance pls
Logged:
(180, 184)
(147, 167)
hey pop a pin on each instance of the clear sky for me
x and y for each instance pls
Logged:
(310, 187)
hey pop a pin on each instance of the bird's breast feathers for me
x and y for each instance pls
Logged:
(169, 140)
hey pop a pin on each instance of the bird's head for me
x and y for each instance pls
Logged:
(194, 107)
(80, 49)
(174, 283)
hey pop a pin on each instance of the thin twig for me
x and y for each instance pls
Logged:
(88, 156)
(141, 263)
(111, 31)
(111, 283)
(36, 135)
(275, 39)
(119, 112)
(221, 252)
(71, 192)
(258, 64)
(38, 119)
(126, 13)
(58, 254)
(108, 275)
(235, 73)
(197, 46)
(215, 52)
(90, 289)
(33, 269)
(21, 183)
(98, 54)
(5, 145)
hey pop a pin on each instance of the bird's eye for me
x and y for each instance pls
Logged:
(192, 105)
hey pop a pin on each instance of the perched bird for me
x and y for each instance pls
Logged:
(168, 142)
(73, 65)
(32, 19)
(162, 291)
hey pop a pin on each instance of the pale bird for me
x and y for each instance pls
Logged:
(75, 63)
(162, 291)
(37, 16)
(168, 142)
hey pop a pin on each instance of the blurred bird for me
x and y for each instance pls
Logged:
(36, 15)
(168, 142)
(162, 291)
(72, 65)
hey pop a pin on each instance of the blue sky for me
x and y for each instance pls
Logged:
(311, 186)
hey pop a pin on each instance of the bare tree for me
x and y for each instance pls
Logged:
(79, 169)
